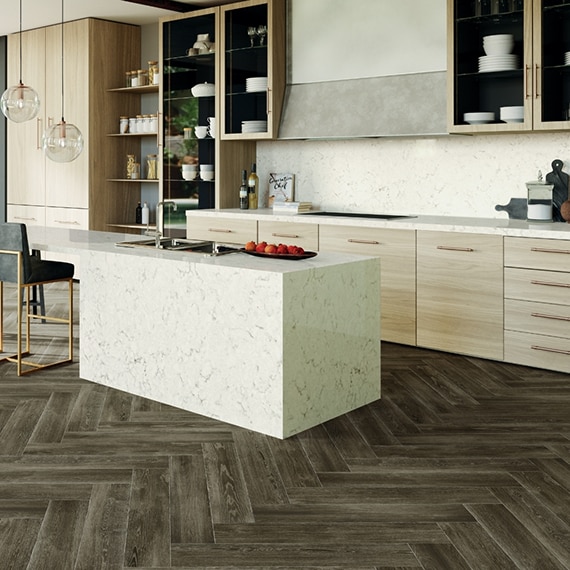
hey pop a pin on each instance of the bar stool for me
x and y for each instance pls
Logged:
(18, 266)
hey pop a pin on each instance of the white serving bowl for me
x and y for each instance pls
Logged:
(478, 118)
(513, 114)
(500, 44)
(204, 90)
(207, 175)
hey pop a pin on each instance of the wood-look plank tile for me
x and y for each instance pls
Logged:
(295, 467)
(439, 557)
(321, 451)
(190, 517)
(347, 439)
(88, 408)
(53, 422)
(102, 543)
(514, 538)
(17, 539)
(229, 500)
(148, 528)
(255, 556)
(59, 535)
(19, 428)
(262, 477)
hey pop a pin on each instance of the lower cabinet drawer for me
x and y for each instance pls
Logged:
(29, 215)
(537, 285)
(539, 318)
(540, 351)
(71, 218)
(290, 233)
(221, 229)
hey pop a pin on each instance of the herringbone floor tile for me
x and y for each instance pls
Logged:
(463, 464)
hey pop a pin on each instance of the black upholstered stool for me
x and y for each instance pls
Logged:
(18, 266)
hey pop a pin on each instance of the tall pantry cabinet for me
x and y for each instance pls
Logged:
(95, 56)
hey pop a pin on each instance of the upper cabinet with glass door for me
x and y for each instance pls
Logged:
(506, 65)
(253, 68)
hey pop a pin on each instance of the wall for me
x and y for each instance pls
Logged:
(449, 175)
(452, 175)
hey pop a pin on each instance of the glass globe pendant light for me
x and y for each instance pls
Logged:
(20, 102)
(62, 142)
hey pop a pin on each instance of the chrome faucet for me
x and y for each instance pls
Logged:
(160, 226)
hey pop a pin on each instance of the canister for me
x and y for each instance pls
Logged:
(539, 200)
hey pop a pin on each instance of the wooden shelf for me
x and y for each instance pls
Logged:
(137, 90)
(133, 181)
(132, 134)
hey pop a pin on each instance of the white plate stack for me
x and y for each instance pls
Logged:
(479, 118)
(567, 58)
(512, 114)
(254, 126)
(255, 84)
(499, 57)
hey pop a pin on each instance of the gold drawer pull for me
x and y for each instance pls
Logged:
(294, 236)
(547, 250)
(549, 283)
(547, 349)
(220, 230)
(453, 248)
(366, 241)
(67, 223)
(555, 317)
(31, 219)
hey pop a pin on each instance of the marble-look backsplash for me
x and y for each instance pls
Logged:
(453, 175)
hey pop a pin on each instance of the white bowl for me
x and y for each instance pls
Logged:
(208, 167)
(207, 175)
(478, 118)
(201, 131)
(189, 174)
(204, 90)
(500, 44)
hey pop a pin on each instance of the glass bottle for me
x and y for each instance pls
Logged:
(138, 214)
(243, 192)
(131, 160)
(153, 72)
(124, 125)
(151, 171)
(253, 186)
(143, 77)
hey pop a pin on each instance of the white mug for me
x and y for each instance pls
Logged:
(201, 132)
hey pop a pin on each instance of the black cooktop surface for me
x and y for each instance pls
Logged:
(358, 215)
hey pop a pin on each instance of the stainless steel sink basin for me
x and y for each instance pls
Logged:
(180, 244)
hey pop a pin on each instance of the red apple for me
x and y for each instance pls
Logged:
(261, 246)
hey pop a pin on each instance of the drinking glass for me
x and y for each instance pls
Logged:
(251, 32)
(261, 32)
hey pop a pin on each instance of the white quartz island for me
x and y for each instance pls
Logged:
(270, 345)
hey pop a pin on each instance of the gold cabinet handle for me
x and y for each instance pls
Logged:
(454, 248)
(527, 82)
(554, 317)
(549, 283)
(220, 230)
(365, 241)
(548, 250)
(548, 349)
(293, 236)
(31, 219)
(536, 80)
(67, 222)
(39, 129)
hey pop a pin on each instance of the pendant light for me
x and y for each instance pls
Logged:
(20, 103)
(62, 142)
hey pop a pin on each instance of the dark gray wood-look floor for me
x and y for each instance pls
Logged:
(463, 464)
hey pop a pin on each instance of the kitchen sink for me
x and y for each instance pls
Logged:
(205, 247)
(359, 215)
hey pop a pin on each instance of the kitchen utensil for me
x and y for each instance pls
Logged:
(559, 180)
(516, 208)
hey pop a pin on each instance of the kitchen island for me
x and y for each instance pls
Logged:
(274, 346)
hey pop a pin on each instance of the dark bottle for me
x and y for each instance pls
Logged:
(138, 214)
(243, 193)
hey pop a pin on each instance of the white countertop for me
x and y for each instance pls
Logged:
(72, 241)
(505, 227)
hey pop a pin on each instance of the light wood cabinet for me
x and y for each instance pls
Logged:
(290, 233)
(539, 81)
(537, 308)
(460, 293)
(397, 252)
(225, 229)
(96, 54)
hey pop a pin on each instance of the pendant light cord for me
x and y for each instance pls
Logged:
(21, 42)
(62, 58)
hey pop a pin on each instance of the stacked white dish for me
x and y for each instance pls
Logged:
(499, 57)
(204, 90)
(512, 114)
(498, 44)
(567, 58)
(479, 118)
(254, 126)
(255, 84)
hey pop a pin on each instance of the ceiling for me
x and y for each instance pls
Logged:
(38, 13)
